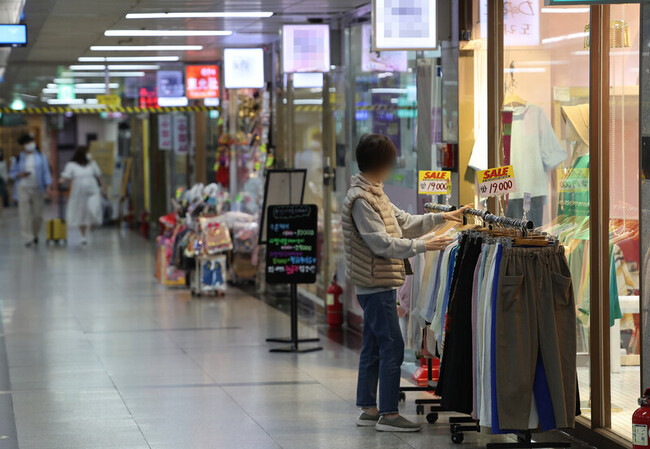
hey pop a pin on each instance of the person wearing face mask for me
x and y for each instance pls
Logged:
(85, 202)
(32, 177)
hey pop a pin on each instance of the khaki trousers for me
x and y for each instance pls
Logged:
(30, 211)
(535, 314)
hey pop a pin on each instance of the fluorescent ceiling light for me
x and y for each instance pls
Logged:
(525, 70)
(87, 67)
(566, 37)
(114, 67)
(172, 101)
(65, 101)
(97, 91)
(308, 101)
(146, 47)
(387, 90)
(87, 85)
(110, 74)
(195, 15)
(129, 59)
(166, 33)
(556, 10)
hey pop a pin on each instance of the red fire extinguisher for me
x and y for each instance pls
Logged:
(334, 305)
(144, 224)
(641, 422)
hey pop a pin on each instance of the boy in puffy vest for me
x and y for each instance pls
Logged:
(378, 237)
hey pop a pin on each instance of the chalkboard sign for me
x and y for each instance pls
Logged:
(292, 238)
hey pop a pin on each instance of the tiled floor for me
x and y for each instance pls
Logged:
(99, 356)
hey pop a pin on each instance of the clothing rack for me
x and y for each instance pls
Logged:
(433, 207)
(485, 215)
(459, 425)
(432, 417)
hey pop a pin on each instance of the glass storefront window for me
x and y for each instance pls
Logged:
(624, 215)
(546, 99)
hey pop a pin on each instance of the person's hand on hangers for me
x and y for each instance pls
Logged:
(438, 243)
(456, 215)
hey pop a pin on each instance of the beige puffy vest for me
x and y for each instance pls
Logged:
(363, 268)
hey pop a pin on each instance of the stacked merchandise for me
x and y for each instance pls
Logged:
(498, 308)
(194, 240)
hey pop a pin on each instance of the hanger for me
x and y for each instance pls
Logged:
(511, 99)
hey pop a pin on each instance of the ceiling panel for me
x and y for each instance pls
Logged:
(62, 30)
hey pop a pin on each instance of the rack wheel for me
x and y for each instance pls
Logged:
(402, 396)
(457, 437)
(419, 409)
(432, 418)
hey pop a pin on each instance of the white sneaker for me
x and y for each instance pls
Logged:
(397, 424)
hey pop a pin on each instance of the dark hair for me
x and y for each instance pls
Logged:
(375, 152)
(80, 156)
(25, 138)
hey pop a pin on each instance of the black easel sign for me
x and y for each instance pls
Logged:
(291, 257)
(292, 239)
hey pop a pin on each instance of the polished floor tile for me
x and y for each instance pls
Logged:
(98, 355)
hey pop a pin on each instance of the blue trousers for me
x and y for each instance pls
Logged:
(382, 352)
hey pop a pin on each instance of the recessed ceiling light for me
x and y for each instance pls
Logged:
(166, 33)
(190, 15)
(129, 58)
(146, 47)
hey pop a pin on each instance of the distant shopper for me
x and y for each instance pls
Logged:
(85, 202)
(4, 182)
(32, 177)
(378, 237)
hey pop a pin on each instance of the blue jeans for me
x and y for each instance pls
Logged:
(382, 352)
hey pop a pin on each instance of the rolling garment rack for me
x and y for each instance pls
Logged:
(459, 425)
(432, 416)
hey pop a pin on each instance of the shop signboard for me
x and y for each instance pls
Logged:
(202, 81)
(496, 181)
(520, 22)
(373, 61)
(292, 242)
(432, 182)
(243, 68)
(103, 153)
(588, 2)
(573, 180)
(181, 137)
(305, 48)
(169, 83)
(404, 24)
(112, 100)
(165, 132)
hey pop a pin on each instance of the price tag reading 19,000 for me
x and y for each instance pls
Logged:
(434, 182)
(496, 181)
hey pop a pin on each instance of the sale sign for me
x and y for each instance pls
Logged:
(202, 81)
(573, 180)
(496, 181)
(434, 182)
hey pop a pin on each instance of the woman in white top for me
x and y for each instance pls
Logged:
(85, 202)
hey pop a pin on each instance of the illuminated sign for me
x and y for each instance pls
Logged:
(305, 48)
(202, 81)
(243, 68)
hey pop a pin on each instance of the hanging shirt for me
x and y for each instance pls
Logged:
(535, 150)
